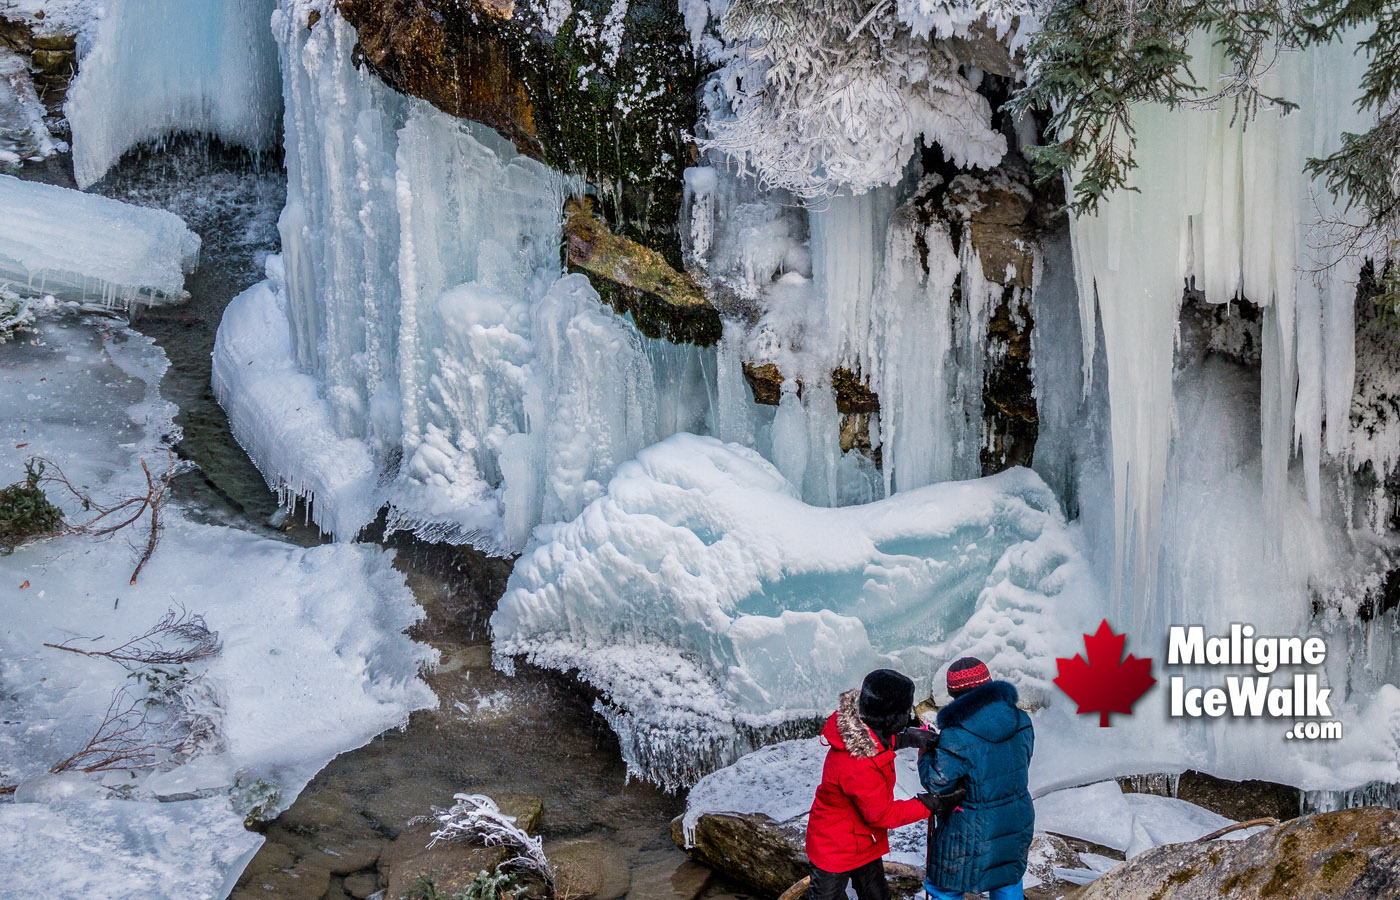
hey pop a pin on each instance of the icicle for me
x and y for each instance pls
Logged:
(1232, 209)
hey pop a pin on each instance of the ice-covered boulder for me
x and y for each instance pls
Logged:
(710, 605)
(84, 247)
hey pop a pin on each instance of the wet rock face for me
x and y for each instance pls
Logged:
(631, 277)
(610, 105)
(1349, 855)
(53, 58)
(462, 67)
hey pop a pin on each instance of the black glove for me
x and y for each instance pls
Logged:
(942, 804)
(923, 738)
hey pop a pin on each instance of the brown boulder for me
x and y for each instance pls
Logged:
(1353, 854)
(473, 73)
(631, 277)
(449, 866)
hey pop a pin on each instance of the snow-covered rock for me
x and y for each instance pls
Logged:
(706, 601)
(1349, 855)
(88, 248)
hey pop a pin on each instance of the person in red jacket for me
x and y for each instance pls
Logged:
(848, 828)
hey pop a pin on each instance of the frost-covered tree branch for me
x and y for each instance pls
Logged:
(476, 817)
(1093, 60)
(839, 94)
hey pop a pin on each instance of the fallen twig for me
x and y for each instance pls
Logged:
(193, 638)
(124, 513)
(1238, 826)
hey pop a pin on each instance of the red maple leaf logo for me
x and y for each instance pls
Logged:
(1104, 684)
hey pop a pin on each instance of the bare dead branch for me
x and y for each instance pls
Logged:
(1268, 822)
(120, 742)
(125, 512)
(178, 638)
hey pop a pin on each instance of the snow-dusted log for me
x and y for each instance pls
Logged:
(84, 247)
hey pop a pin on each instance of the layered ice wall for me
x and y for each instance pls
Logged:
(709, 604)
(1231, 209)
(91, 249)
(885, 289)
(160, 67)
(421, 294)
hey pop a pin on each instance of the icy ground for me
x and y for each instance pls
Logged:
(779, 782)
(314, 660)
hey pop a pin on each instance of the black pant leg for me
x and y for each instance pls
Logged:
(828, 885)
(869, 881)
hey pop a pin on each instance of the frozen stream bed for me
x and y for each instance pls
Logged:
(314, 660)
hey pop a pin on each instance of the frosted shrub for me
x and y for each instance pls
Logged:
(476, 817)
(840, 93)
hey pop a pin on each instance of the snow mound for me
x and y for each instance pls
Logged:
(88, 248)
(161, 67)
(708, 602)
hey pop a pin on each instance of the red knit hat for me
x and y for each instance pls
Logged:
(966, 674)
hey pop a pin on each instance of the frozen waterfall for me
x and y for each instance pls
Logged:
(1230, 209)
(160, 67)
(481, 392)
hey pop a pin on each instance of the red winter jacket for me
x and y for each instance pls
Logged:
(855, 806)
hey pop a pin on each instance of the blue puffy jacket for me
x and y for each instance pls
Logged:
(985, 745)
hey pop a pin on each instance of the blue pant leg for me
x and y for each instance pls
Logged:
(936, 893)
(1009, 892)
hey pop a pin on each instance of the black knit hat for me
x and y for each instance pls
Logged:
(966, 674)
(886, 697)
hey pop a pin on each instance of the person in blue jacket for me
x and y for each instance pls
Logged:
(985, 745)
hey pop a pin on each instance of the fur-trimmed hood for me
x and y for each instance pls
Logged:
(989, 711)
(846, 731)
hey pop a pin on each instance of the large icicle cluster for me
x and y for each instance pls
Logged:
(885, 288)
(708, 602)
(91, 249)
(481, 393)
(1229, 208)
(161, 67)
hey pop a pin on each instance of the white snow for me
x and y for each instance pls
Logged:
(103, 849)
(76, 17)
(84, 247)
(314, 661)
(702, 597)
(160, 67)
(817, 98)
